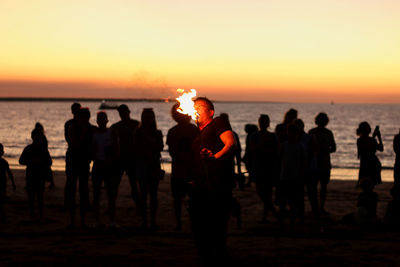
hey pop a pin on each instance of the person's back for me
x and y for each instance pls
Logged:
(367, 147)
(292, 162)
(179, 140)
(323, 145)
(125, 130)
(265, 158)
(80, 135)
(37, 160)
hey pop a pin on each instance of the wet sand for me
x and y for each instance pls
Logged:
(25, 242)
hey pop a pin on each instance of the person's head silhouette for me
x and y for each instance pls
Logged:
(364, 129)
(263, 122)
(321, 119)
(124, 112)
(177, 116)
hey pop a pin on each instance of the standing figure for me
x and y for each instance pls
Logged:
(248, 157)
(104, 170)
(75, 107)
(179, 141)
(370, 166)
(396, 149)
(212, 154)
(323, 145)
(37, 160)
(291, 185)
(148, 142)
(80, 136)
(49, 176)
(264, 148)
(124, 130)
(281, 130)
(238, 176)
(4, 171)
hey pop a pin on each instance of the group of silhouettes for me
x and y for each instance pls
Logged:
(285, 165)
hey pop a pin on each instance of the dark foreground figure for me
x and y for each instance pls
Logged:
(211, 196)
(179, 140)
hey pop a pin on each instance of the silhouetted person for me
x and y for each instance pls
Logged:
(148, 142)
(248, 157)
(392, 216)
(291, 186)
(396, 149)
(367, 146)
(365, 213)
(236, 177)
(75, 107)
(306, 141)
(281, 130)
(49, 176)
(238, 150)
(80, 136)
(211, 198)
(323, 145)
(4, 172)
(104, 168)
(37, 160)
(179, 141)
(264, 148)
(124, 130)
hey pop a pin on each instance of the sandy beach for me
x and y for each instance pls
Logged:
(24, 242)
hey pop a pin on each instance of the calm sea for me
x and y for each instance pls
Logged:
(18, 118)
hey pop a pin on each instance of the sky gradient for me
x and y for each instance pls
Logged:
(296, 51)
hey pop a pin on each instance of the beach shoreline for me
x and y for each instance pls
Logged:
(350, 174)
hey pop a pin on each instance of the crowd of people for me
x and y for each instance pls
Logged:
(285, 165)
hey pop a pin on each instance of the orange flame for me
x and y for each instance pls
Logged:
(186, 104)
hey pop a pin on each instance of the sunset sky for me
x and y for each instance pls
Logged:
(258, 50)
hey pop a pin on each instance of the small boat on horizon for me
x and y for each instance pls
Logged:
(107, 105)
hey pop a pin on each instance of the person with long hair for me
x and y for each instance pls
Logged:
(148, 142)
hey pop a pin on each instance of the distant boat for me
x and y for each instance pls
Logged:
(108, 105)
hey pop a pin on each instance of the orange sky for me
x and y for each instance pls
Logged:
(313, 51)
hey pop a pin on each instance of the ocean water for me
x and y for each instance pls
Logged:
(18, 118)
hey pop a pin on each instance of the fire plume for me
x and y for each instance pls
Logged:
(186, 104)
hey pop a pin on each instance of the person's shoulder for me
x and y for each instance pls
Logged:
(68, 123)
(3, 161)
(220, 123)
(313, 130)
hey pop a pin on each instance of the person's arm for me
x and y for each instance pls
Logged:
(10, 175)
(396, 144)
(380, 143)
(238, 154)
(358, 148)
(332, 146)
(229, 144)
(160, 142)
(23, 160)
